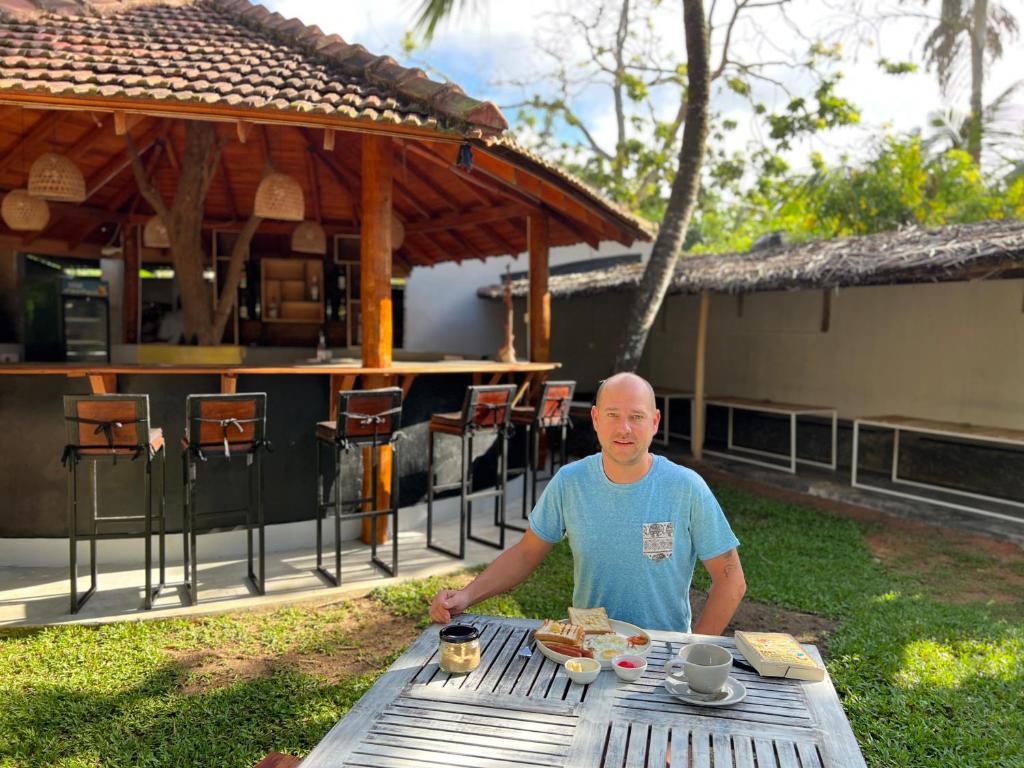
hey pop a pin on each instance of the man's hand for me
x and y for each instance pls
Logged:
(446, 604)
(509, 569)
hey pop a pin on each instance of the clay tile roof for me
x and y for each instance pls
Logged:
(172, 49)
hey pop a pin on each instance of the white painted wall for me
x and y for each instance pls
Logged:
(444, 314)
(949, 351)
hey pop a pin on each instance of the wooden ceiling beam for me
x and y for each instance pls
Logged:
(314, 184)
(100, 178)
(130, 187)
(39, 133)
(85, 142)
(400, 190)
(473, 189)
(229, 191)
(346, 182)
(466, 218)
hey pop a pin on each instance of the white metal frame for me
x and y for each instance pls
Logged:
(666, 432)
(895, 478)
(793, 413)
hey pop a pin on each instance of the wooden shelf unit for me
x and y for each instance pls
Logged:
(287, 284)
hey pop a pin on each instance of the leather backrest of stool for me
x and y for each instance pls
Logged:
(354, 405)
(107, 423)
(488, 407)
(240, 419)
(555, 401)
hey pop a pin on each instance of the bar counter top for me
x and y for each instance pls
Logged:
(344, 366)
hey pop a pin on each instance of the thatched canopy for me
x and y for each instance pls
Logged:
(991, 249)
(76, 76)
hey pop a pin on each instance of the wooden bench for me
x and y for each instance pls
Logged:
(793, 411)
(973, 432)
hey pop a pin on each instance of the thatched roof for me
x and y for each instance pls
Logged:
(969, 251)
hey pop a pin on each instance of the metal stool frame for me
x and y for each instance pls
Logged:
(121, 437)
(228, 413)
(552, 413)
(366, 419)
(486, 409)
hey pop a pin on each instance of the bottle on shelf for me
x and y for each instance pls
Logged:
(322, 352)
(243, 311)
(329, 313)
(272, 310)
(314, 289)
(256, 312)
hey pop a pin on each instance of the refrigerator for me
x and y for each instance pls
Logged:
(85, 315)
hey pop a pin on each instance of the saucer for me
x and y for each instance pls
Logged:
(734, 692)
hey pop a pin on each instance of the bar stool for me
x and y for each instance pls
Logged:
(101, 428)
(366, 419)
(486, 410)
(550, 414)
(224, 427)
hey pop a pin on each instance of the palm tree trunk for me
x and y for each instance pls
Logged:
(657, 276)
(979, 32)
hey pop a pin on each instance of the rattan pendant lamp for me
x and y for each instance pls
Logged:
(56, 177)
(154, 233)
(24, 213)
(280, 197)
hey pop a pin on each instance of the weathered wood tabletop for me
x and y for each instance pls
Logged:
(524, 711)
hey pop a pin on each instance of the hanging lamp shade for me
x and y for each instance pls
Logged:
(56, 177)
(397, 232)
(309, 237)
(154, 234)
(279, 196)
(24, 213)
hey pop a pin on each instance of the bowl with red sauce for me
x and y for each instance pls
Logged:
(629, 666)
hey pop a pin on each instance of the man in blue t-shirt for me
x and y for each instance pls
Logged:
(636, 524)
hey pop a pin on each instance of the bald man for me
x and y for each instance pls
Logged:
(636, 525)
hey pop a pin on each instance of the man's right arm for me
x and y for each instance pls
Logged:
(509, 569)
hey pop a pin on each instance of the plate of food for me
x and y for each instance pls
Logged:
(589, 632)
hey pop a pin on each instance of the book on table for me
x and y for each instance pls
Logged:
(778, 654)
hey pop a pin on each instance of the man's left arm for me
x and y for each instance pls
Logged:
(727, 588)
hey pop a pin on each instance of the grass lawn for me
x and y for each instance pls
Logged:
(927, 653)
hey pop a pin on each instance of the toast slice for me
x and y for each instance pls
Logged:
(593, 620)
(560, 632)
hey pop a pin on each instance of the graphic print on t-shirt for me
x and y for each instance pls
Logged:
(658, 540)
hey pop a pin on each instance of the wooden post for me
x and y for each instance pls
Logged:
(540, 296)
(697, 436)
(130, 296)
(375, 297)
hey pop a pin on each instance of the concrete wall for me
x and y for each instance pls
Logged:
(444, 314)
(951, 351)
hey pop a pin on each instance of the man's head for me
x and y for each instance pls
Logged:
(625, 418)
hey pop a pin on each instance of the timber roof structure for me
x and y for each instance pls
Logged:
(75, 75)
(986, 250)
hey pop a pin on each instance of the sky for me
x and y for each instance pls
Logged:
(495, 42)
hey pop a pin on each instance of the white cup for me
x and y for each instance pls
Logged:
(702, 666)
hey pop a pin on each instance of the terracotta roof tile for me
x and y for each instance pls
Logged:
(220, 51)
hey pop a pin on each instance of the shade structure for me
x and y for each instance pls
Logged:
(56, 177)
(24, 213)
(279, 196)
(397, 232)
(309, 237)
(154, 234)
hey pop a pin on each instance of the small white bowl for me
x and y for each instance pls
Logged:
(586, 672)
(629, 674)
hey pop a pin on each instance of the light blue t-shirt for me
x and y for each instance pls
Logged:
(634, 545)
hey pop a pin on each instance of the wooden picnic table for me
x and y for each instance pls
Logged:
(522, 711)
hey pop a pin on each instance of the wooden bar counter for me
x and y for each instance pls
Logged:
(299, 394)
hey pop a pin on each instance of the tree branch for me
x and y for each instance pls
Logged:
(146, 187)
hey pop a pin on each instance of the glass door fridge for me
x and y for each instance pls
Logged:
(86, 319)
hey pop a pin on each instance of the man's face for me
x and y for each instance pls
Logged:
(625, 421)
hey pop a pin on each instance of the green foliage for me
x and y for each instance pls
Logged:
(897, 67)
(897, 185)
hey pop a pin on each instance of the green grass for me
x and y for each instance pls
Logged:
(924, 682)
